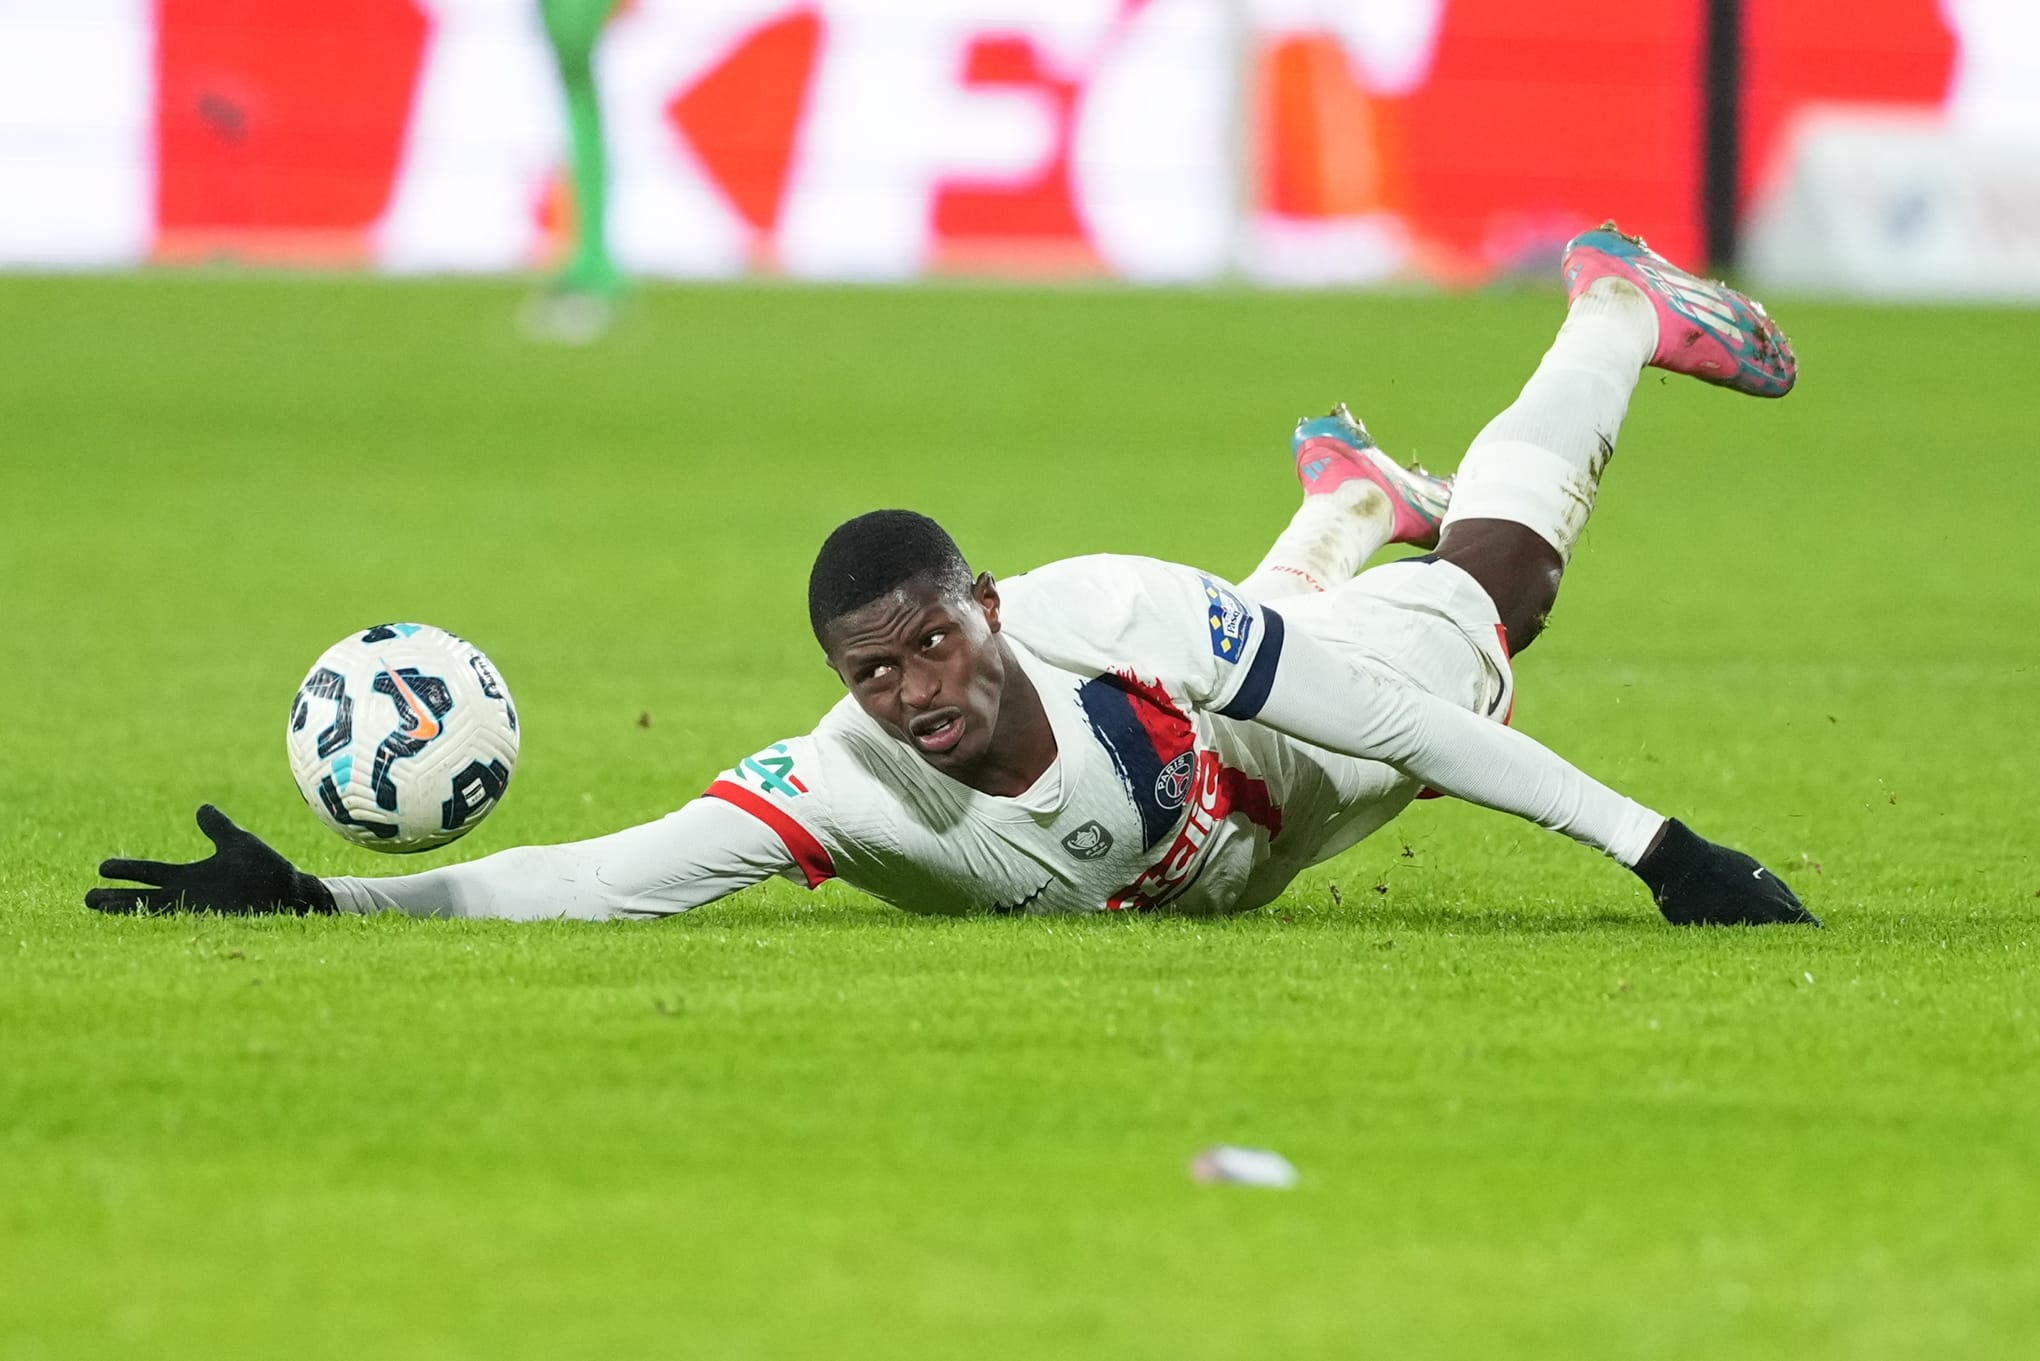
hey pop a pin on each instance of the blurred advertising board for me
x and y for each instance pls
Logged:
(1152, 140)
(1913, 199)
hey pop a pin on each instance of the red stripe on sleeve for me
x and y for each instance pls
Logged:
(808, 853)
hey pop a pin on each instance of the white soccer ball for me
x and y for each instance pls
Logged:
(402, 737)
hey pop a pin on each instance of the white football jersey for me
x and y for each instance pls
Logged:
(1162, 794)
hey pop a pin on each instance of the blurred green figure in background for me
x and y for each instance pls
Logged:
(578, 307)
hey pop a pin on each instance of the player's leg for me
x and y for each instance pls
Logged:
(1355, 500)
(1533, 472)
(1527, 484)
(574, 26)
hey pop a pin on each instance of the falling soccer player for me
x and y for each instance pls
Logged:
(1111, 733)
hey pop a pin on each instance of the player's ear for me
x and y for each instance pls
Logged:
(986, 592)
(829, 659)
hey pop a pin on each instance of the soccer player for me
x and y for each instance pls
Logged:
(1122, 733)
(577, 308)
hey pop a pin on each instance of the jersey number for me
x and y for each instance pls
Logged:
(772, 769)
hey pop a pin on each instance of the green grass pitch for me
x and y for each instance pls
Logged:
(1531, 1120)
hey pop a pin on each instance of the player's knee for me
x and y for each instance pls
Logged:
(1524, 628)
(1525, 605)
(1515, 566)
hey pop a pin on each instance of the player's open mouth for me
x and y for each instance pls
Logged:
(937, 734)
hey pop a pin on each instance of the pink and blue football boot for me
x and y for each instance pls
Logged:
(1705, 328)
(1334, 449)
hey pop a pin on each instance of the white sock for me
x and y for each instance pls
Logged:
(1539, 463)
(1328, 539)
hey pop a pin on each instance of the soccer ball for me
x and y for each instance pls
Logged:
(402, 737)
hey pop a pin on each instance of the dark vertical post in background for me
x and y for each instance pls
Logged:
(1721, 130)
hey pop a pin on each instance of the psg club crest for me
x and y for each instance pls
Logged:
(1174, 781)
(1088, 842)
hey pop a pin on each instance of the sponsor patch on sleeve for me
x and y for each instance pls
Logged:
(771, 771)
(1230, 619)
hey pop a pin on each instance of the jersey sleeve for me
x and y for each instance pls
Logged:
(1194, 632)
(1363, 711)
(781, 789)
(764, 816)
(703, 851)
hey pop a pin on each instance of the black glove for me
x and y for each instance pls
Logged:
(1697, 883)
(241, 877)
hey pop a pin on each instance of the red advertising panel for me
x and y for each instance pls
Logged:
(1885, 53)
(1523, 122)
(279, 122)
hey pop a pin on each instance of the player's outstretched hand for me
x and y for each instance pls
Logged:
(240, 877)
(1697, 883)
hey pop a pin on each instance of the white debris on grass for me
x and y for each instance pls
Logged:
(1244, 1167)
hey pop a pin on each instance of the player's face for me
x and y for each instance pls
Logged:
(928, 667)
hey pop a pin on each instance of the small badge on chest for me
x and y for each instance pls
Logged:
(1088, 842)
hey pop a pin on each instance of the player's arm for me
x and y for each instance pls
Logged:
(702, 852)
(1298, 686)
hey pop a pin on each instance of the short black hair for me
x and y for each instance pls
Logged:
(877, 553)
